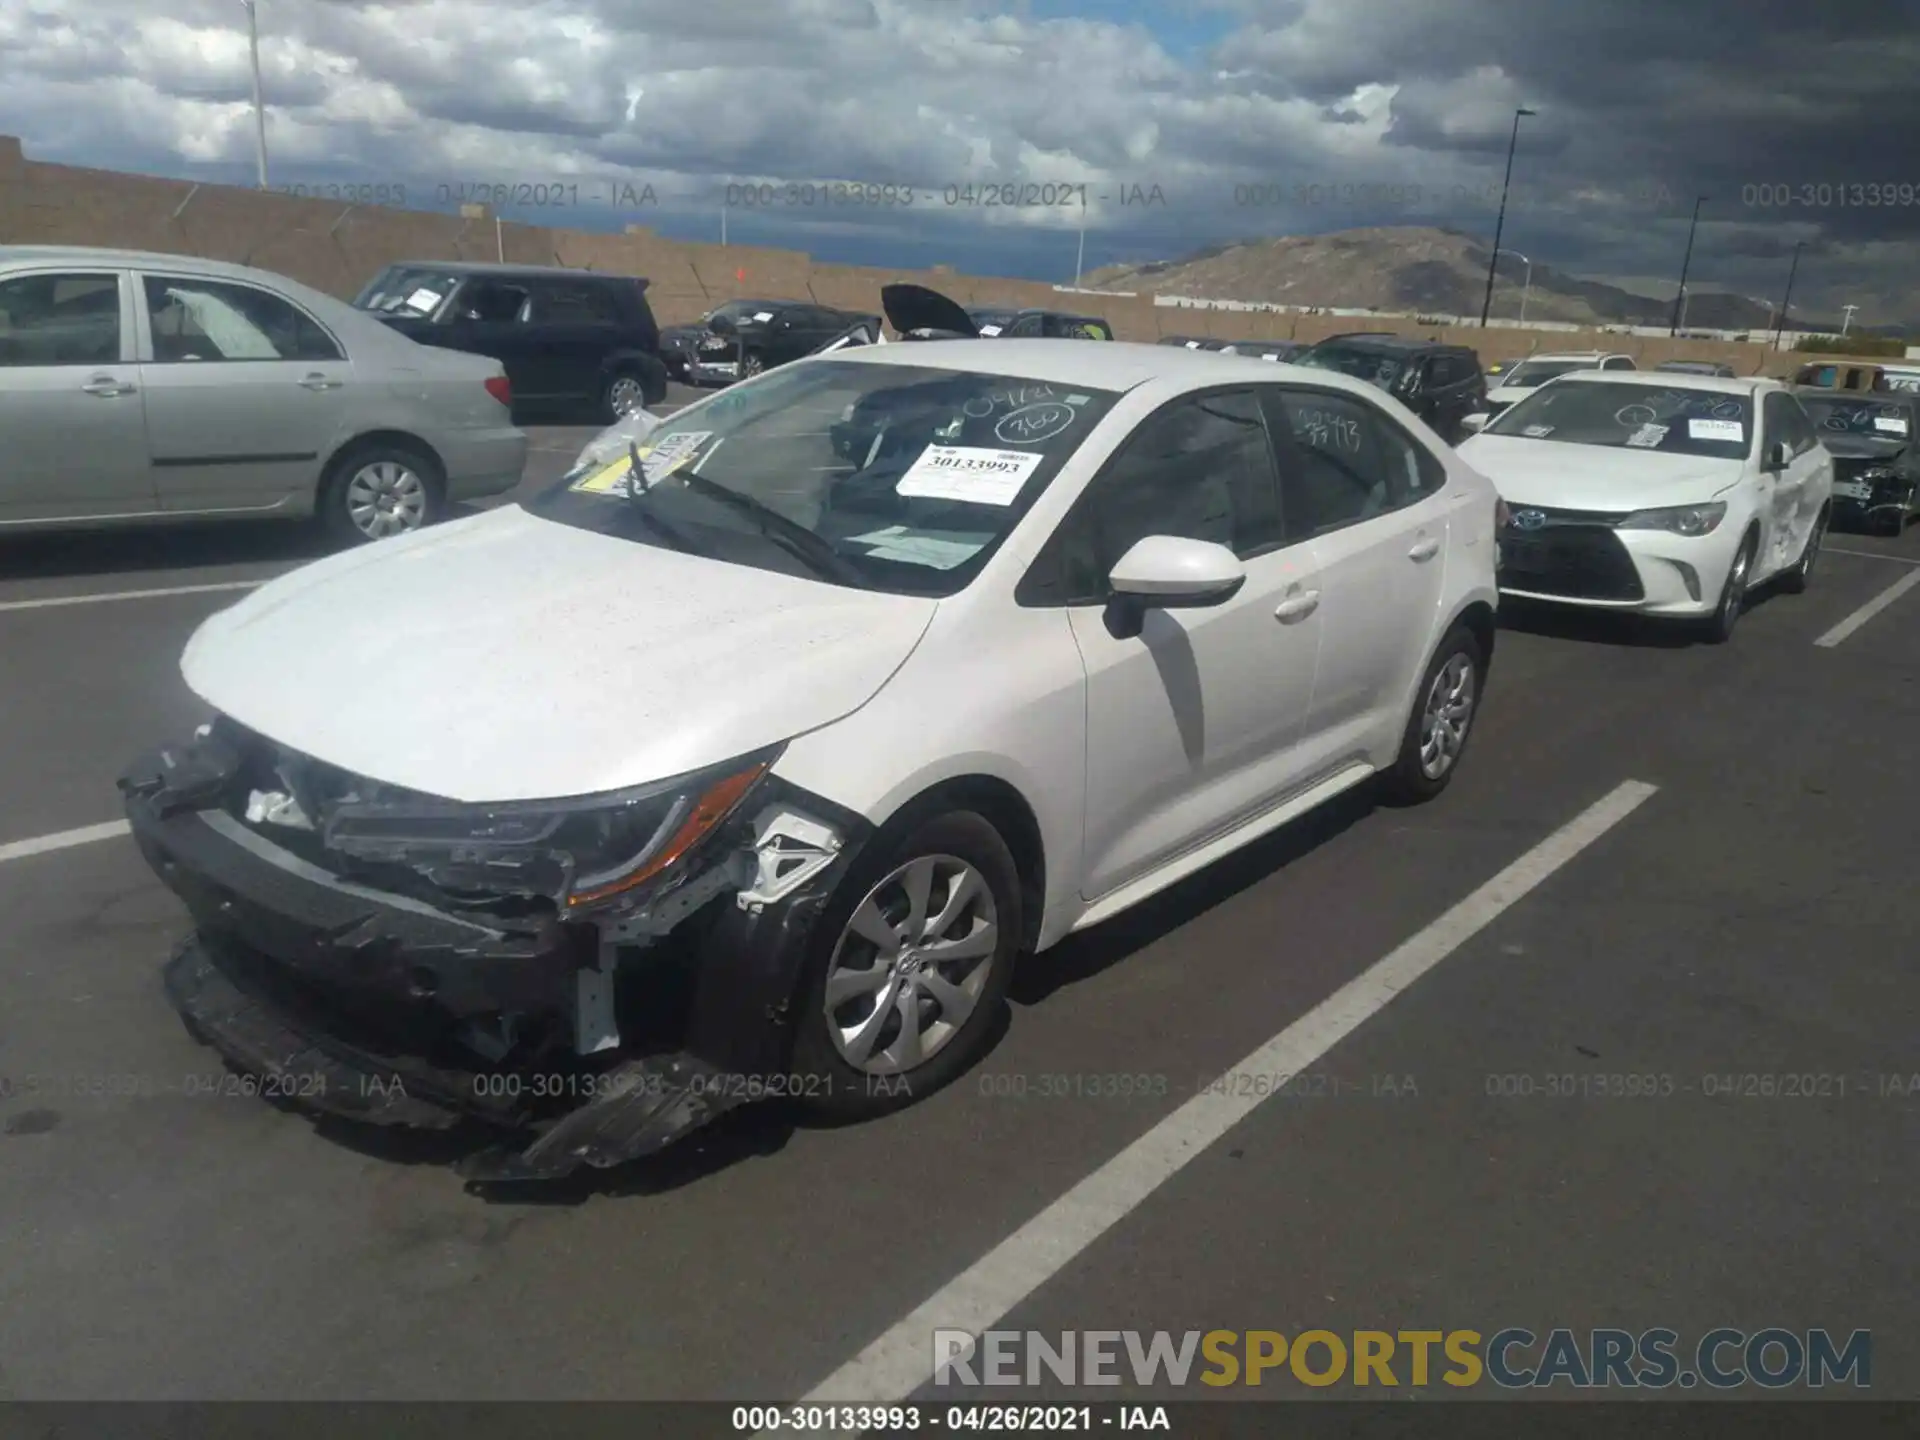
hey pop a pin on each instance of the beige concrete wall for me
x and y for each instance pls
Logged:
(338, 248)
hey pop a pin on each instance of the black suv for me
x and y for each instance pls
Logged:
(1442, 384)
(760, 334)
(570, 340)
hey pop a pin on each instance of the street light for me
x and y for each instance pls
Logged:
(1686, 264)
(1526, 288)
(1500, 225)
(1846, 317)
(1786, 299)
(259, 108)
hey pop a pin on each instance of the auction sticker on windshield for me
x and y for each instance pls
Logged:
(968, 473)
(939, 550)
(1647, 436)
(657, 461)
(1891, 424)
(1731, 431)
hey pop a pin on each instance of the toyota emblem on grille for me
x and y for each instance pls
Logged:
(1529, 519)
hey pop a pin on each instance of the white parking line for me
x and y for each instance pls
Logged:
(49, 603)
(897, 1364)
(1867, 611)
(63, 840)
(1872, 555)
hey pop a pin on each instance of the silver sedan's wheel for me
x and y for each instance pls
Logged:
(626, 396)
(1446, 716)
(386, 497)
(911, 965)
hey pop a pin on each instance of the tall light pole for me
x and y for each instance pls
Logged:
(259, 107)
(1846, 317)
(1525, 289)
(1080, 259)
(1500, 225)
(1685, 265)
(1787, 299)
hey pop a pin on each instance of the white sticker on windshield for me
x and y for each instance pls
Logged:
(935, 551)
(1076, 399)
(989, 329)
(1647, 436)
(1890, 424)
(762, 315)
(1193, 344)
(1271, 356)
(1537, 432)
(969, 473)
(1731, 432)
(423, 299)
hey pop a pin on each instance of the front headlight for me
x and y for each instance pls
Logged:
(581, 853)
(1689, 520)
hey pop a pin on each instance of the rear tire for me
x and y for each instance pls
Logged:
(379, 489)
(1719, 626)
(1794, 582)
(1444, 709)
(870, 927)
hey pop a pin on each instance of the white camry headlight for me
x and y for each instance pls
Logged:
(1678, 519)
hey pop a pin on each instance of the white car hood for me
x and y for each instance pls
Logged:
(506, 657)
(1593, 477)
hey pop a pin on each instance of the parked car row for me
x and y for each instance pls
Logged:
(739, 827)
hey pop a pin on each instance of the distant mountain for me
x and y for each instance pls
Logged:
(1424, 269)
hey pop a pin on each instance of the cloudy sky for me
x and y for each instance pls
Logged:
(1188, 122)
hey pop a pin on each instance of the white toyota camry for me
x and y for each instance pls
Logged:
(1669, 497)
(786, 732)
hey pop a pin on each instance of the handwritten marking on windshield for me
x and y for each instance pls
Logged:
(981, 406)
(1323, 428)
(1032, 424)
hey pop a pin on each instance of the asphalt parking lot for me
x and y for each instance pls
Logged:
(1748, 915)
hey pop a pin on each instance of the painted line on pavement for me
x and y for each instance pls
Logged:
(900, 1362)
(1871, 555)
(57, 600)
(63, 840)
(1867, 611)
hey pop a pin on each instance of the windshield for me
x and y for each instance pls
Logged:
(408, 290)
(1529, 374)
(741, 312)
(1362, 364)
(892, 477)
(1669, 419)
(1865, 418)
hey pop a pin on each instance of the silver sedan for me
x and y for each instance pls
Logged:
(137, 387)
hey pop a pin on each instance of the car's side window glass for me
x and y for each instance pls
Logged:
(1413, 472)
(562, 304)
(1618, 362)
(1023, 328)
(1333, 472)
(1201, 468)
(196, 320)
(60, 320)
(492, 303)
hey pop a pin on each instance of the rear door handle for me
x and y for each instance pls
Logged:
(1424, 550)
(1297, 607)
(106, 385)
(317, 381)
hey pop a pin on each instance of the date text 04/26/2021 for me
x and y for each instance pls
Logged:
(911, 1417)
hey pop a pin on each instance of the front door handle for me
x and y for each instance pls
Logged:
(1297, 607)
(1424, 550)
(317, 381)
(106, 385)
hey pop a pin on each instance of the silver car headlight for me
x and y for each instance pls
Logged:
(1691, 520)
(582, 853)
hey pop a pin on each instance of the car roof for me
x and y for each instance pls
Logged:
(1118, 365)
(1722, 384)
(1558, 355)
(1872, 397)
(1385, 340)
(138, 259)
(488, 267)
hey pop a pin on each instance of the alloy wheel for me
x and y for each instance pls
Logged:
(1735, 595)
(386, 497)
(1447, 714)
(911, 964)
(751, 366)
(625, 396)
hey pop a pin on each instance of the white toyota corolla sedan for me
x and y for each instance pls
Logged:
(1667, 496)
(751, 774)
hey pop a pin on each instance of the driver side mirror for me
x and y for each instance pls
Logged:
(1775, 457)
(1169, 572)
(1476, 422)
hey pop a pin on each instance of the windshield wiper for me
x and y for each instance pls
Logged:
(637, 491)
(816, 554)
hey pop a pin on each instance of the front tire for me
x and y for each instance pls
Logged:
(378, 490)
(1444, 710)
(910, 964)
(1733, 594)
(751, 365)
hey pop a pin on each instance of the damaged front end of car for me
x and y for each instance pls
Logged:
(593, 978)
